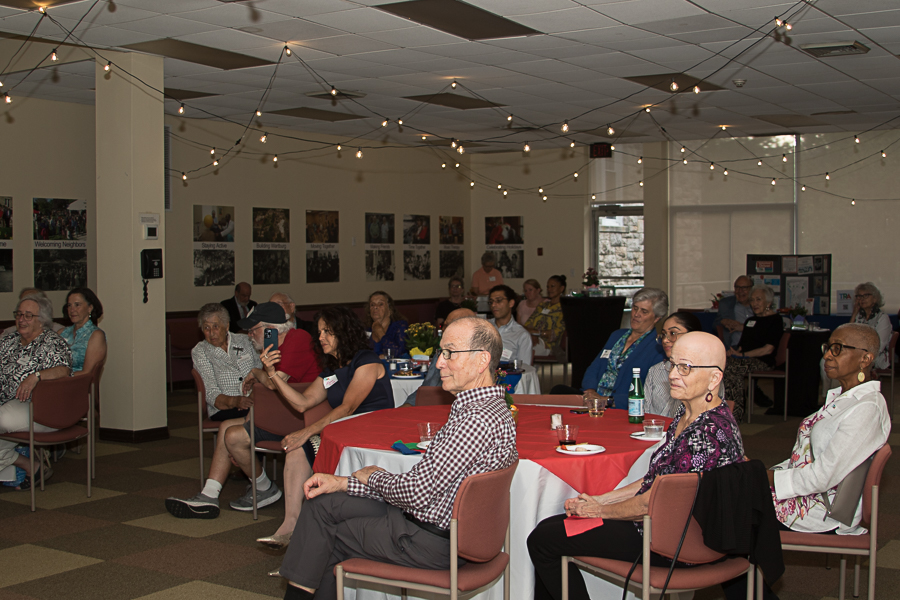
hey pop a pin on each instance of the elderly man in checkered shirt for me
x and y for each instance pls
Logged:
(405, 519)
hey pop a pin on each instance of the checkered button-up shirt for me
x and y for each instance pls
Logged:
(479, 437)
(224, 373)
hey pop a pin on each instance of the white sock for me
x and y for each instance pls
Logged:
(212, 489)
(262, 482)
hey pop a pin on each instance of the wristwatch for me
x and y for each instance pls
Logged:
(38, 374)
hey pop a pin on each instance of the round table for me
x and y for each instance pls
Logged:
(543, 480)
(403, 387)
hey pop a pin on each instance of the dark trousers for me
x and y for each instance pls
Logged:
(548, 543)
(336, 527)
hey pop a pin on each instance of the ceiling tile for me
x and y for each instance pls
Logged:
(236, 15)
(362, 20)
(412, 37)
(166, 26)
(346, 44)
(521, 7)
(570, 19)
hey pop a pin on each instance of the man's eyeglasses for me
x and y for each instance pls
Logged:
(669, 335)
(494, 301)
(25, 316)
(836, 348)
(685, 370)
(861, 296)
(448, 354)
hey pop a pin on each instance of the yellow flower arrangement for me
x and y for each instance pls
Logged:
(422, 338)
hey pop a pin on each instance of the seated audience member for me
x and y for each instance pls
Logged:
(445, 307)
(238, 306)
(516, 339)
(387, 325)
(657, 397)
(357, 383)
(832, 442)
(546, 324)
(404, 518)
(702, 437)
(756, 349)
(290, 310)
(224, 360)
(298, 360)
(54, 326)
(867, 311)
(486, 277)
(734, 310)
(525, 308)
(609, 376)
(87, 341)
(433, 375)
(30, 354)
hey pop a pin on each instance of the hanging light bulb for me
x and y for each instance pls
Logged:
(183, 176)
(399, 121)
(856, 139)
(212, 151)
(275, 158)
(544, 198)
(724, 128)
(696, 89)
(384, 123)
(802, 188)
(610, 130)
(359, 153)
(443, 165)
(883, 155)
(333, 91)
(108, 67)
(259, 113)
(527, 148)
(641, 183)
(853, 203)
(640, 160)
(215, 162)
(424, 138)
(773, 181)
(612, 147)
(565, 127)
(41, 10)
(673, 86)
(453, 85)
(499, 186)
(338, 147)
(540, 190)
(759, 163)
(456, 165)
(827, 176)
(264, 137)
(53, 55)
(647, 109)
(712, 166)
(504, 192)
(725, 172)
(593, 196)
(181, 109)
(471, 184)
(461, 150)
(576, 175)
(778, 22)
(685, 161)
(287, 50)
(453, 143)
(509, 118)
(571, 144)
(683, 149)
(788, 26)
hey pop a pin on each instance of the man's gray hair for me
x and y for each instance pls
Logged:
(769, 292)
(213, 309)
(657, 297)
(870, 288)
(287, 297)
(45, 308)
(488, 257)
(484, 337)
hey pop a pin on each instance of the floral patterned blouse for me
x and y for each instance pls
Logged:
(548, 317)
(713, 440)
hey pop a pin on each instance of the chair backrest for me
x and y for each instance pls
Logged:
(874, 478)
(892, 345)
(781, 354)
(61, 403)
(311, 415)
(184, 334)
(671, 498)
(553, 400)
(481, 509)
(433, 395)
(201, 391)
(273, 413)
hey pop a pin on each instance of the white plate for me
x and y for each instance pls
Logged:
(423, 445)
(588, 450)
(414, 376)
(639, 435)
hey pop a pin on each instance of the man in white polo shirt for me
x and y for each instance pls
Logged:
(516, 339)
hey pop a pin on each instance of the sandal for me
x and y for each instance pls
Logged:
(27, 483)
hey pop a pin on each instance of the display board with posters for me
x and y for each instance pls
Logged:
(798, 279)
(379, 239)
(451, 256)
(60, 243)
(213, 233)
(504, 236)
(323, 260)
(416, 247)
(271, 246)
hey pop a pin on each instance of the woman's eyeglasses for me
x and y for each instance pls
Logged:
(668, 335)
(685, 370)
(836, 348)
(25, 316)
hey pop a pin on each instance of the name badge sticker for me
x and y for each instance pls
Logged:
(504, 356)
(330, 381)
(546, 311)
(24, 361)
(750, 324)
(492, 278)
(606, 353)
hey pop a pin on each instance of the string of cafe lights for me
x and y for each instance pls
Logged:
(458, 144)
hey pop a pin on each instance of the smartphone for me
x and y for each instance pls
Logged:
(578, 411)
(270, 338)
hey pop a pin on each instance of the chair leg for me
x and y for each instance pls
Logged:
(33, 482)
(749, 407)
(842, 579)
(339, 575)
(856, 577)
(565, 578)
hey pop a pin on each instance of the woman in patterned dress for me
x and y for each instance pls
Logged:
(546, 324)
(702, 437)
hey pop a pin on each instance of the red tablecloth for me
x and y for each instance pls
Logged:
(535, 441)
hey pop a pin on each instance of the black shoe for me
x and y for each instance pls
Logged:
(760, 399)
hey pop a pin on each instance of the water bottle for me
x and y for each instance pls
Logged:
(636, 398)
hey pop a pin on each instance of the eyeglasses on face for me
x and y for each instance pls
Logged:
(448, 354)
(685, 369)
(837, 347)
(861, 296)
(25, 316)
(669, 335)
(500, 300)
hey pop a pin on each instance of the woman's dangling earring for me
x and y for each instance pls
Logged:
(860, 377)
(709, 397)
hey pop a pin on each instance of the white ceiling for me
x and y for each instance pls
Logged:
(573, 71)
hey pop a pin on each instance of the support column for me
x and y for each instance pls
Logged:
(656, 216)
(130, 181)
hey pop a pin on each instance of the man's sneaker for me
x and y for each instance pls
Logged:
(263, 498)
(198, 507)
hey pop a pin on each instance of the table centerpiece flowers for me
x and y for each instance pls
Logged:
(422, 339)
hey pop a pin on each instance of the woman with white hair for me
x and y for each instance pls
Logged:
(756, 349)
(867, 311)
(30, 354)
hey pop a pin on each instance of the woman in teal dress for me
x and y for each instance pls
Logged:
(87, 341)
